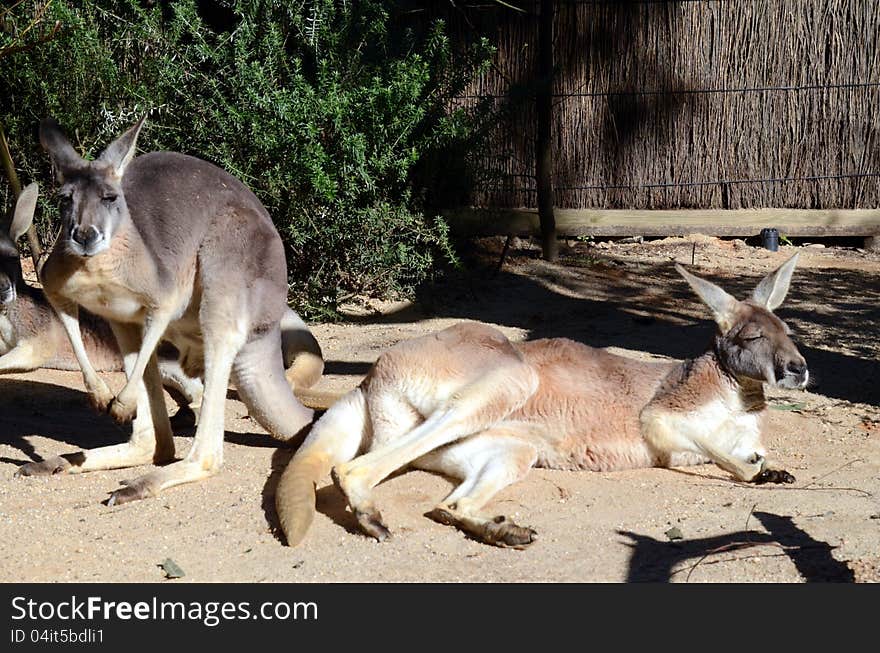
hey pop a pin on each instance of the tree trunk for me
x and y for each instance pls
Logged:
(544, 140)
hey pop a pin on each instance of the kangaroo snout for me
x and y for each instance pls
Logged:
(795, 374)
(86, 241)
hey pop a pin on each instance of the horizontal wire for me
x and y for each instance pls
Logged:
(684, 184)
(694, 91)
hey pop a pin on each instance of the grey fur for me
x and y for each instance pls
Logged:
(185, 252)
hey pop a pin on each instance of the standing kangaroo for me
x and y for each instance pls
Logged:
(31, 335)
(167, 246)
(468, 403)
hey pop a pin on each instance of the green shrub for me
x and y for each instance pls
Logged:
(327, 110)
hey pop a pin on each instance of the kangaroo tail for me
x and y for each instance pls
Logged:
(303, 359)
(335, 438)
(317, 399)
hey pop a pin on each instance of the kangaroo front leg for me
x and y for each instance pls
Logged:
(150, 441)
(751, 468)
(472, 409)
(751, 450)
(206, 455)
(741, 454)
(122, 407)
(100, 395)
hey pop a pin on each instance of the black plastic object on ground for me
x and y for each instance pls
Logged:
(770, 239)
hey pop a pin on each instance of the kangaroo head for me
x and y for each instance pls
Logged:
(10, 259)
(90, 195)
(752, 343)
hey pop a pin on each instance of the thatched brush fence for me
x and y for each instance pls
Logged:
(708, 104)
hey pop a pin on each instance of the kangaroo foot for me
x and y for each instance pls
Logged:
(369, 519)
(48, 467)
(133, 490)
(371, 523)
(498, 531)
(773, 476)
(150, 484)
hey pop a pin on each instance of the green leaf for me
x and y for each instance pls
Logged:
(787, 406)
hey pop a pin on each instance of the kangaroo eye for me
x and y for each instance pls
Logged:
(108, 199)
(751, 335)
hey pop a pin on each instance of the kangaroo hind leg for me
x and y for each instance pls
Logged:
(390, 417)
(486, 463)
(206, 455)
(474, 408)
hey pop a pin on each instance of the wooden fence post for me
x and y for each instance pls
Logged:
(544, 139)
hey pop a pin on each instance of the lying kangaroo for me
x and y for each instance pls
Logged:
(167, 246)
(468, 403)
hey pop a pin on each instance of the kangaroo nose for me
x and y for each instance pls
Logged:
(85, 236)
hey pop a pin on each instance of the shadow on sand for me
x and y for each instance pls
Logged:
(654, 560)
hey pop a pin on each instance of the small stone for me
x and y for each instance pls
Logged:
(674, 533)
(171, 569)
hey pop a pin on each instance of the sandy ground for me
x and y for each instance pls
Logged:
(592, 526)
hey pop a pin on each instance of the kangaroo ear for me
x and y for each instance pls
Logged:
(121, 151)
(719, 302)
(24, 211)
(774, 287)
(53, 140)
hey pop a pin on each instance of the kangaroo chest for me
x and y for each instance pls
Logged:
(722, 425)
(103, 293)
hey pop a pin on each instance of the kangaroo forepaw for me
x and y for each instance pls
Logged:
(773, 476)
(48, 467)
(100, 399)
(121, 411)
(134, 490)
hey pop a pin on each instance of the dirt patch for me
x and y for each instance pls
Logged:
(592, 526)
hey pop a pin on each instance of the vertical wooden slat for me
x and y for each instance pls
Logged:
(544, 135)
